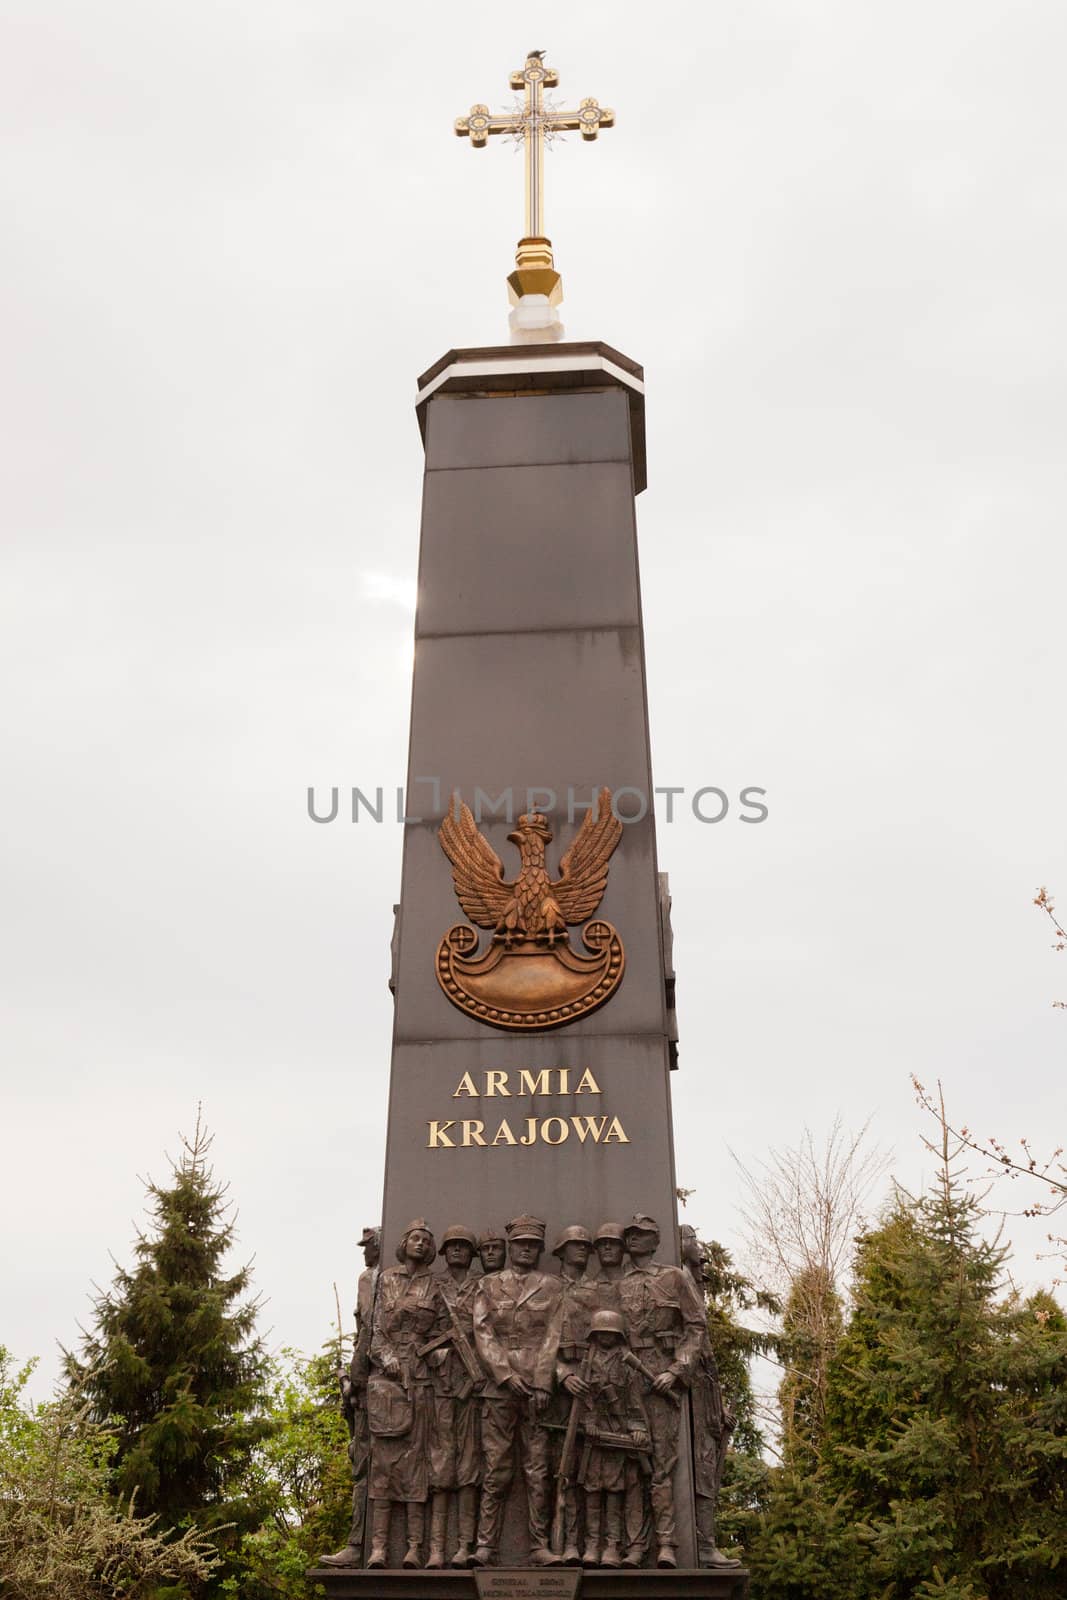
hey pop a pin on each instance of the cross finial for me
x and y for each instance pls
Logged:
(535, 287)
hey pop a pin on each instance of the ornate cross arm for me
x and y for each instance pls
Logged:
(482, 122)
(534, 71)
(588, 120)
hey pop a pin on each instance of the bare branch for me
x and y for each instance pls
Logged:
(804, 1205)
(1050, 1171)
(1043, 899)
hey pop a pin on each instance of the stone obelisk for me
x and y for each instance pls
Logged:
(533, 1035)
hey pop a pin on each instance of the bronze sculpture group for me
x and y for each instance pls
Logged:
(578, 1377)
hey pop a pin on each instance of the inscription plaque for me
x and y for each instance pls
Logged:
(528, 1583)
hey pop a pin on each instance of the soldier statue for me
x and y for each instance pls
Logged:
(492, 1250)
(354, 1402)
(409, 1315)
(616, 1439)
(609, 1242)
(712, 1422)
(458, 1383)
(665, 1319)
(572, 1249)
(518, 1321)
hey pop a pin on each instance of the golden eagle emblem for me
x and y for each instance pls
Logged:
(530, 976)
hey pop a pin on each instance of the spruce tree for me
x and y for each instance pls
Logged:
(174, 1361)
(942, 1468)
(730, 1296)
(946, 1412)
(812, 1326)
(62, 1534)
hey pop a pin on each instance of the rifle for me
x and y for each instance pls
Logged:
(340, 1335)
(344, 1378)
(639, 1444)
(649, 1376)
(566, 1460)
(456, 1337)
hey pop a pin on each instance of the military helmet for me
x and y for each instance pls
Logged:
(457, 1233)
(608, 1322)
(572, 1235)
(610, 1230)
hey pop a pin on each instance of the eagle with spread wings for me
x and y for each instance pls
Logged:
(533, 906)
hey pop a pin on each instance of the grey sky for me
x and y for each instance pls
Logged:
(232, 235)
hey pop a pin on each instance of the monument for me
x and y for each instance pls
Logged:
(530, 1401)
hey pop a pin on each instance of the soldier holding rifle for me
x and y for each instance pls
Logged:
(572, 1249)
(458, 1383)
(665, 1318)
(354, 1402)
(712, 1422)
(608, 1445)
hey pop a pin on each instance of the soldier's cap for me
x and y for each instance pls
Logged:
(607, 1322)
(526, 1228)
(641, 1224)
(491, 1236)
(610, 1230)
(572, 1235)
(370, 1236)
(686, 1231)
(457, 1233)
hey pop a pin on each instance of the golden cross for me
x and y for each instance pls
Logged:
(534, 122)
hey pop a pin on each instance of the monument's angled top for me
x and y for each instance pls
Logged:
(538, 368)
(535, 288)
(540, 357)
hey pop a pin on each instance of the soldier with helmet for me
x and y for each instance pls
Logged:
(580, 1299)
(665, 1320)
(616, 1439)
(518, 1322)
(609, 1242)
(458, 1382)
(492, 1250)
(580, 1293)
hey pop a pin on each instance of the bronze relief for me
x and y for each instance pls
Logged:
(530, 976)
(572, 1379)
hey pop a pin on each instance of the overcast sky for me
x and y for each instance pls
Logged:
(232, 234)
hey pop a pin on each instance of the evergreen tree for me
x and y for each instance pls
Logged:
(174, 1362)
(941, 1473)
(806, 1544)
(61, 1532)
(947, 1423)
(301, 1477)
(812, 1326)
(730, 1296)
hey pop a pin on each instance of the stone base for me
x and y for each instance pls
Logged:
(534, 1583)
